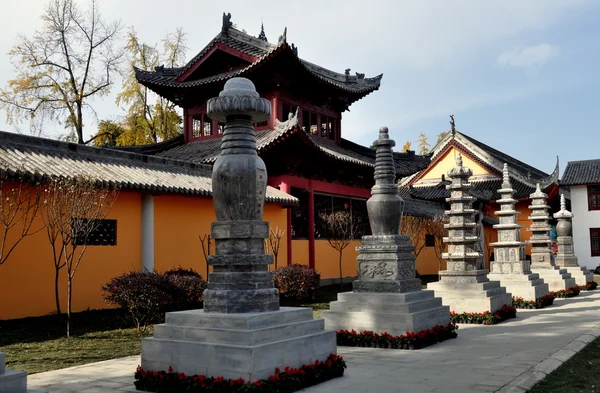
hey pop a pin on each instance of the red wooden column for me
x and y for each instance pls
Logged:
(285, 187)
(311, 229)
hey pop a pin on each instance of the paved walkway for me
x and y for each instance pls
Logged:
(482, 359)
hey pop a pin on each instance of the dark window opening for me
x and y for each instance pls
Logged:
(94, 232)
(300, 215)
(220, 128)
(286, 109)
(358, 223)
(305, 121)
(324, 126)
(595, 241)
(429, 241)
(313, 124)
(207, 127)
(593, 197)
(197, 127)
(330, 129)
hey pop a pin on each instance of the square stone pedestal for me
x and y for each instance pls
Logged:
(528, 286)
(581, 274)
(556, 278)
(470, 291)
(246, 345)
(394, 313)
(12, 381)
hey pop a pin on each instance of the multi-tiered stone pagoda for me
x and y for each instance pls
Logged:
(541, 252)
(242, 331)
(565, 256)
(387, 296)
(510, 266)
(464, 285)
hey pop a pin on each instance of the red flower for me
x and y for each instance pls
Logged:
(170, 369)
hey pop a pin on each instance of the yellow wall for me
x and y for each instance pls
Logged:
(299, 252)
(27, 277)
(327, 259)
(448, 161)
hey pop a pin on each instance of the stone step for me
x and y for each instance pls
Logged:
(488, 289)
(238, 337)
(384, 297)
(2, 362)
(357, 305)
(247, 321)
(392, 322)
(235, 361)
(13, 382)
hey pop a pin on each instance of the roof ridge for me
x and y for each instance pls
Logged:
(28, 141)
(579, 161)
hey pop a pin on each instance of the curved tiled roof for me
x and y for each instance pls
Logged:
(264, 52)
(581, 172)
(41, 158)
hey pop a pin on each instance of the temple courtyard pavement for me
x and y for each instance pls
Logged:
(509, 357)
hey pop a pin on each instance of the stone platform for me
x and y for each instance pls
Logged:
(581, 274)
(246, 345)
(528, 286)
(470, 292)
(395, 313)
(12, 381)
(556, 278)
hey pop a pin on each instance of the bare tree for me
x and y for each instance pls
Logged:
(205, 241)
(62, 67)
(416, 229)
(436, 228)
(341, 226)
(19, 205)
(72, 210)
(274, 242)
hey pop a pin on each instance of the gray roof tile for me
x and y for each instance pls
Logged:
(581, 172)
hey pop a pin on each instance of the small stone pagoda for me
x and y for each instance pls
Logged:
(565, 257)
(510, 266)
(464, 285)
(242, 331)
(387, 296)
(541, 252)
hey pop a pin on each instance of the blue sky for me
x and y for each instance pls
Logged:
(520, 76)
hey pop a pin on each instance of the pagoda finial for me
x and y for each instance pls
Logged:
(537, 187)
(262, 36)
(459, 162)
(563, 202)
(505, 177)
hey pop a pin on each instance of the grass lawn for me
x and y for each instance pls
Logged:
(579, 374)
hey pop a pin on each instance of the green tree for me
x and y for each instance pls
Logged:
(109, 133)
(150, 118)
(62, 67)
(423, 144)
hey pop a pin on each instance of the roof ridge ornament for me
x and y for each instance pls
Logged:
(452, 126)
(226, 23)
(283, 37)
(262, 36)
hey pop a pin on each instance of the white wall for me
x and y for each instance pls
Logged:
(583, 220)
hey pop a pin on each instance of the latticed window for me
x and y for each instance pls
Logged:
(94, 232)
(595, 241)
(593, 197)
(197, 127)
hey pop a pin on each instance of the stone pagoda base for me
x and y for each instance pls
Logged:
(527, 286)
(395, 313)
(12, 381)
(581, 274)
(470, 291)
(556, 278)
(246, 345)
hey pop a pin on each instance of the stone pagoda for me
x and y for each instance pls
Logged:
(387, 296)
(541, 252)
(12, 381)
(510, 266)
(565, 257)
(242, 331)
(464, 285)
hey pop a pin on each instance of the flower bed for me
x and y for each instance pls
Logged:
(590, 286)
(286, 381)
(486, 318)
(564, 293)
(541, 302)
(409, 340)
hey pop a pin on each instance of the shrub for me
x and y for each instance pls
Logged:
(192, 287)
(143, 294)
(297, 281)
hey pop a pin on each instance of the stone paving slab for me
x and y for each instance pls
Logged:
(506, 358)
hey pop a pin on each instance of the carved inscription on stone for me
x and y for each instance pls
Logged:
(378, 270)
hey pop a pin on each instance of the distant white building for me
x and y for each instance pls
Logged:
(583, 178)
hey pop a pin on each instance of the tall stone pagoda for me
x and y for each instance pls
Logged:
(541, 253)
(510, 266)
(464, 285)
(565, 257)
(387, 296)
(242, 331)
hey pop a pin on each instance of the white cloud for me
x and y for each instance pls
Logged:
(530, 57)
